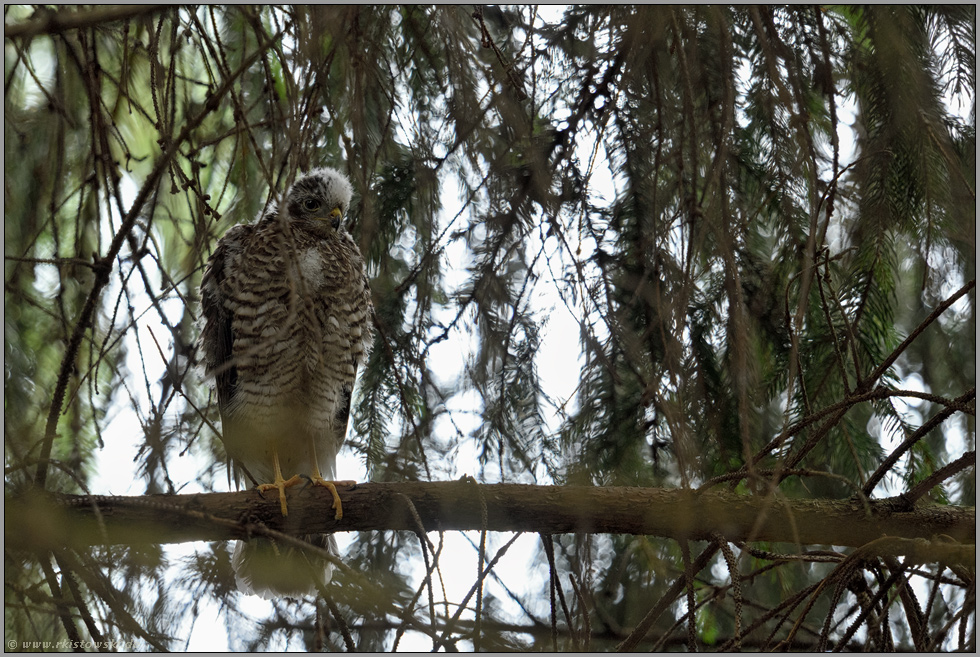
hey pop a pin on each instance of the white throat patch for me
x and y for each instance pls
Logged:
(311, 268)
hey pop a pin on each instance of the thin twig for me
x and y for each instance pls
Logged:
(103, 266)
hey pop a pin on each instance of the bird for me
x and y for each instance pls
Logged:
(286, 308)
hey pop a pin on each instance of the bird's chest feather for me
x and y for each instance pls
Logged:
(311, 267)
(326, 293)
(292, 326)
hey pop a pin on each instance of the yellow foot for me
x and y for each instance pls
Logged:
(281, 485)
(332, 487)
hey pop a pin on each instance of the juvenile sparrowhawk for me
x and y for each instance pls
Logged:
(287, 313)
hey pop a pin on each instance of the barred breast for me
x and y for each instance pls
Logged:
(299, 310)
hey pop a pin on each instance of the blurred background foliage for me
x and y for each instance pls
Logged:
(728, 217)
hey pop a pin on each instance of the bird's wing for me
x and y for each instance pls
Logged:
(217, 338)
(343, 408)
(361, 351)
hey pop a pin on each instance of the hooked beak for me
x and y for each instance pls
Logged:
(334, 217)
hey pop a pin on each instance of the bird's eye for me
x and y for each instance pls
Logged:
(311, 205)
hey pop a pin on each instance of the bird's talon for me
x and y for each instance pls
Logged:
(332, 487)
(281, 485)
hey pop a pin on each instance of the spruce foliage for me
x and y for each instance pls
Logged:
(730, 217)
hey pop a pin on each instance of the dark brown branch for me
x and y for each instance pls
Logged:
(41, 522)
(488, 42)
(933, 316)
(46, 21)
(939, 476)
(916, 436)
(629, 643)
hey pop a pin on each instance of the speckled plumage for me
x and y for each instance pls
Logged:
(287, 313)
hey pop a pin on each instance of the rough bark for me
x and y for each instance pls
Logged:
(944, 534)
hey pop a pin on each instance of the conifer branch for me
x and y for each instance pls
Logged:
(78, 520)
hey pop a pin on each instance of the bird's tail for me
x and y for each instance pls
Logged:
(269, 569)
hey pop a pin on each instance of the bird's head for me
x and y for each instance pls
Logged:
(322, 195)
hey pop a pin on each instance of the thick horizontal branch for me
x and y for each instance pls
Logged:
(48, 21)
(77, 520)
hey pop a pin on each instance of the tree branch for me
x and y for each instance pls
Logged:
(43, 521)
(47, 21)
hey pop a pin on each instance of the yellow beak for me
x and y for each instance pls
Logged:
(333, 215)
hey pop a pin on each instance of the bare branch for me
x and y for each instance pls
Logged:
(46, 21)
(456, 505)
